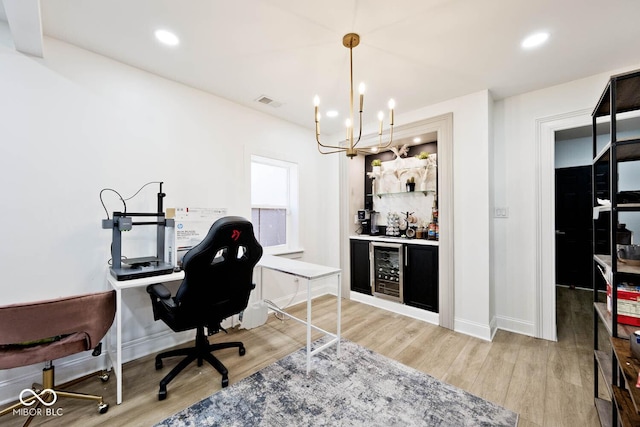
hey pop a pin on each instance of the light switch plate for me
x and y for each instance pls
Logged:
(501, 213)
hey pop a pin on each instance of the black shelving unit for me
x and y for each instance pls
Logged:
(621, 95)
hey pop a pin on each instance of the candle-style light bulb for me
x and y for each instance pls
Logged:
(317, 123)
(361, 90)
(380, 117)
(392, 105)
(316, 101)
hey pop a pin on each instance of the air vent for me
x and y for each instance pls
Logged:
(268, 101)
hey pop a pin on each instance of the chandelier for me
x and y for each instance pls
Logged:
(350, 41)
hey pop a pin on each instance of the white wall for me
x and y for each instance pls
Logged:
(75, 123)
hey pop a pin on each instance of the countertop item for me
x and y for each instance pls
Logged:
(395, 240)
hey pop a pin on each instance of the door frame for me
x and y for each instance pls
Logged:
(545, 270)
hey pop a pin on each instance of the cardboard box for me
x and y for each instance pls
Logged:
(628, 304)
(191, 226)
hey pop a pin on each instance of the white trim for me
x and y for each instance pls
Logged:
(545, 313)
(396, 307)
(512, 324)
(475, 329)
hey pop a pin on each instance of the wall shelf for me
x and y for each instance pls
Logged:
(424, 192)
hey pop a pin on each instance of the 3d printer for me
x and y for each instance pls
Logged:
(135, 268)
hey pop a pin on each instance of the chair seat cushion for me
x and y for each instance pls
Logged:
(22, 354)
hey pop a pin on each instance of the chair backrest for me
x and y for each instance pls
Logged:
(219, 272)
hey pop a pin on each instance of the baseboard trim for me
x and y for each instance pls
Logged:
(474, 329)
(516, 325)
(394, 307)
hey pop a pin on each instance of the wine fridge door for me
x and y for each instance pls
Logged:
(386, 270)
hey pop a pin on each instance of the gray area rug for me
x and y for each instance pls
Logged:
(360, 388)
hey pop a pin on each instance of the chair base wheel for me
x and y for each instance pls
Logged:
(162, 394)
(103, 408)
(104, 377)
(242, 351)
(225, 382)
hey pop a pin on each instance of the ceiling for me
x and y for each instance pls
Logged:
(418, 52)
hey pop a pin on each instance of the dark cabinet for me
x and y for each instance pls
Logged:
(360, 281)
(421, 277)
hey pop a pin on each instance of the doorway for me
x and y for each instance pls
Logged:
(546, 132)
(573, 227)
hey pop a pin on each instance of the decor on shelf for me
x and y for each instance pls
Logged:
(350, 41)
(400, 151)
(423, 158)
(411, 184)
(394, 176)
(376, 164)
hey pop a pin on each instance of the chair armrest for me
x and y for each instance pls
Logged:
(161, 292)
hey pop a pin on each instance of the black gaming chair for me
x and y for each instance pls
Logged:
(217, 284)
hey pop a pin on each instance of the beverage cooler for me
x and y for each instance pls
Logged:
(386, 270)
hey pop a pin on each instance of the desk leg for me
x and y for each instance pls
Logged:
(308, 325)
(118, 367)
(339, 313)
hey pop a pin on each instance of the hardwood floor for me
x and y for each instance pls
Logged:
(547, 383)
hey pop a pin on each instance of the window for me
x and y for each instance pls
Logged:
(274, 201)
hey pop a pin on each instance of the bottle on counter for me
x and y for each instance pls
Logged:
(434, 210)
(431, 231)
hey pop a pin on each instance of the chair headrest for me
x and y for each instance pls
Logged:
(231, 232)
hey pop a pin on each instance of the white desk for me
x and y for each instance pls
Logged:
(311, 273)
(304, 270)
(119, 285)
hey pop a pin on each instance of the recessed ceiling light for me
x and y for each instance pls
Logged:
(416, 139)
(535, 40)
(332, 113)
(167, 37)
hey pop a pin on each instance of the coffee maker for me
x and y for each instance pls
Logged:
(366, 219)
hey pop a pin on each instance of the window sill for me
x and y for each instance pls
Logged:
(286, 252)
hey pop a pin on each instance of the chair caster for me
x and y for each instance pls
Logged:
(162, 394)
(158, 364)
(242, 351)
(104, 376)
(103, 408)
(225, 382)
